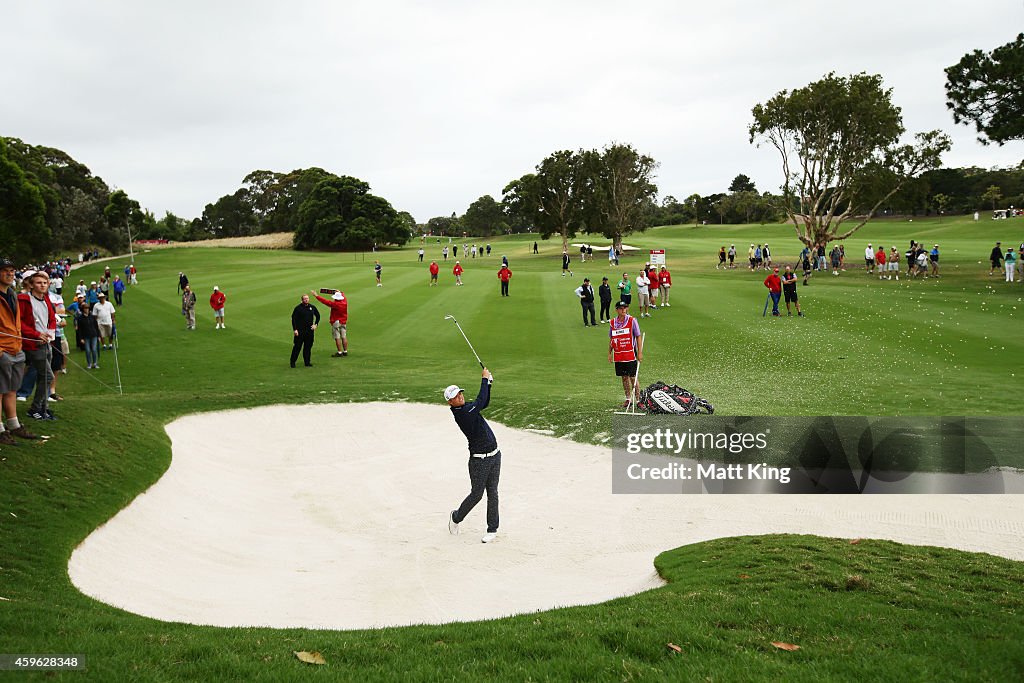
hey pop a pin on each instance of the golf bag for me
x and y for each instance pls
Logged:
(671, 399)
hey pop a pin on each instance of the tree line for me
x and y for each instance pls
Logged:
(838, 140)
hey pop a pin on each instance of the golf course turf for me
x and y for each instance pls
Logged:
(873, 610)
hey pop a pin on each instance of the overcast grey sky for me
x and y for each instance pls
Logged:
(437, 103)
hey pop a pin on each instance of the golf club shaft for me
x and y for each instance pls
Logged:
(636, 380)
(467, 341)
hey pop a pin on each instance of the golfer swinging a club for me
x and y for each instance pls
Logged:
(484, 456)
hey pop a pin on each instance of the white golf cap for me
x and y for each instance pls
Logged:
(452, 391)
(338, 296)
(216, 288)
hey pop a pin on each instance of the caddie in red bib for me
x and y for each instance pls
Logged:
(625, 349)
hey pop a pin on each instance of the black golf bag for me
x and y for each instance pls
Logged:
(671, 399)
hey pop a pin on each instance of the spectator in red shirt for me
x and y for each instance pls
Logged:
(504, 275)
(652, 275)
(457, 272)
(880, 262)
(774, 284)
(433, 273)
(339, 320)
(665, 278)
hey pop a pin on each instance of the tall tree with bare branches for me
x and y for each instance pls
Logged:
(839, 140)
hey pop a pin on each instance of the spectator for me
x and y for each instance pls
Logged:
(434, 270)
(81, 289)
(92, 295)
(996, 257)
(565, 263)
(894, 263)
(774, 285)
(188, 307)
(12, 358)
(732, 255)
(665, 278)
(38, 329)
(586, 294)
(504, 275)
(604, 293)
(305, 318)
(1011, 264)
(644, 293)
(89, 329)
(837, 259)
(721, 258)
(119, 287)
(104, 312)
(420, 254)
(133, 274)
(457, 271)
(766, 254)
(880, 262)
(933, 258)
(625, 288)
(339, 319)
(377, 268)
(789, 289)
(655, 287)
(217, 301)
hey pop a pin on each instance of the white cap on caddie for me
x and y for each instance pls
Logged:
(452, 391)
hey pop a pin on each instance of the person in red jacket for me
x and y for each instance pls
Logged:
(774, 284)
(339, 319)
(655, 286)
(38, 329)
(504, 275)
(457, 272)
(217, 300)
(665, 278)
(880, 262)
(433, 273)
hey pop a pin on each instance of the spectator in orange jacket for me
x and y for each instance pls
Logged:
(339, 320)
(12, 358)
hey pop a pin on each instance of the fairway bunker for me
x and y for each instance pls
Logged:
(335, 516)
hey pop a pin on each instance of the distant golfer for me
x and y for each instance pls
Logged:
(376, 271)
(625, 349)
(484, 455)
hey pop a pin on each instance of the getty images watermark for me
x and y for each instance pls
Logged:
(713, 454)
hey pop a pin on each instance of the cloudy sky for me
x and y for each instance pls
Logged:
(437, 103)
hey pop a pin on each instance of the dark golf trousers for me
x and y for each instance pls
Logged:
(305, 342)
(606, 309)
(588, 306)
(483, 476)
(504, 287)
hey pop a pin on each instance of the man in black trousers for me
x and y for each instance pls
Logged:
(484, 456)
(605, 294)
(305, 318)
(586, 294)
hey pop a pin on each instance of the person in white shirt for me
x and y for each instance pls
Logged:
(57, 284)
(80, 289)
(104, 312)
(869, 259)
(644, 294)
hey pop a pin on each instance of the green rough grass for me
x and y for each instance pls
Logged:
(915, 613)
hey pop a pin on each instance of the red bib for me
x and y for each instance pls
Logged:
(623, 349)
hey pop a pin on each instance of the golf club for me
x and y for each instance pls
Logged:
(452, 318)
(766, 300)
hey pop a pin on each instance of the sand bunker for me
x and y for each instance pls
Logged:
(334, 516)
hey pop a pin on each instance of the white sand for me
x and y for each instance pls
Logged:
(334, 516)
